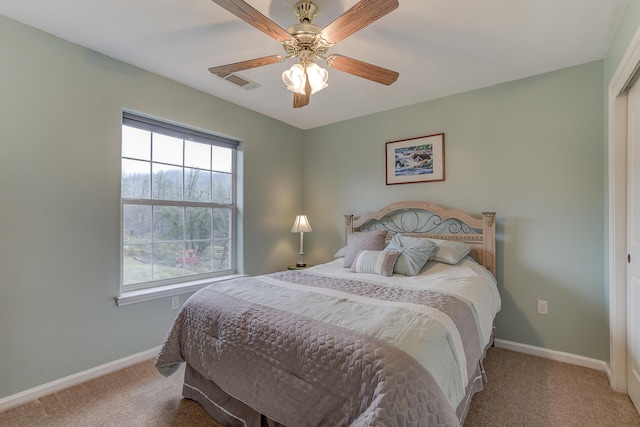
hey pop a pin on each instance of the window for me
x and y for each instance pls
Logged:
(178, 204)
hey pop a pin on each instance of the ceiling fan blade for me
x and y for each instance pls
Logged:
(362, 69)
(299, 100)
(225, 70)
(251, 16)
(359, 16)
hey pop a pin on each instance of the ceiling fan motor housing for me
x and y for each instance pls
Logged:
(306, 42)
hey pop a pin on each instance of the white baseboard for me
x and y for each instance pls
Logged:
(558, 356)
(75, 379)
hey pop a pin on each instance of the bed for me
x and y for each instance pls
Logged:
(392, 332)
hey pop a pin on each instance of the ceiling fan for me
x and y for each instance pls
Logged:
(306, 42)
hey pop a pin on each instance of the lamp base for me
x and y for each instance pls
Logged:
(299, 264)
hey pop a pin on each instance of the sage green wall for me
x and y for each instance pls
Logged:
(60, 115)
(529, 149)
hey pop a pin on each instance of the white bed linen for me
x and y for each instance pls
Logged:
(466, 280)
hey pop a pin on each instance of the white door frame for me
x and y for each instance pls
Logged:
(617, 261)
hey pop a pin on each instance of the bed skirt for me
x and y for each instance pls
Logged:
(231, 412)
(222, 407)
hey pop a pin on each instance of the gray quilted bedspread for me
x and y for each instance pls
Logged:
(310, 350)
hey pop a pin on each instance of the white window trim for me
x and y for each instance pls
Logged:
(149, 294)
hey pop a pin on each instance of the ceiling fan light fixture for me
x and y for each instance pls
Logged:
(294, 79)
(317, 77)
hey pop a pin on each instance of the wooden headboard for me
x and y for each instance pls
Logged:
(425, 219)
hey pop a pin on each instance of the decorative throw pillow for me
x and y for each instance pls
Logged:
(341, 252)
(369, 240)
(414, 253)
(376, 262)
(450, 252)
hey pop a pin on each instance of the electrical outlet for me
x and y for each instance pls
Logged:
(543, 307)
(175, 303)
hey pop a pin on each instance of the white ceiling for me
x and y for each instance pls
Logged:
(439, 47)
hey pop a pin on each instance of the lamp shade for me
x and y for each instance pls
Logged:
(317, 77)
(301, 225)
(295, 79)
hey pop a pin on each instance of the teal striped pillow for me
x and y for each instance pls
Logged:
(375, 262)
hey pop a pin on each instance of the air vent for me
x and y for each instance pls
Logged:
(242, 82)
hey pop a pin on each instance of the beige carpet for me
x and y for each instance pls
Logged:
(522, 391)
(525, 390)
(134, 396)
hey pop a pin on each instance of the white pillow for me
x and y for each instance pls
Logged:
(449, 252)
(375, 262)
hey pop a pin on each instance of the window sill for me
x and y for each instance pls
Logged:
(134, 297)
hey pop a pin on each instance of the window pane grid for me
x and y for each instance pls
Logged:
(178, 207)
(168, 257)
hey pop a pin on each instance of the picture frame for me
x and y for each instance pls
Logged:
(413, 160)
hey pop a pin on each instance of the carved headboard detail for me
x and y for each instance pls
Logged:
(425, 219)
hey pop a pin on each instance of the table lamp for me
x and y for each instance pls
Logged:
(301, 225)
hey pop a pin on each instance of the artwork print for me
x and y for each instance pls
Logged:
(418, 159)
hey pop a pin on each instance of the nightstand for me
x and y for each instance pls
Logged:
(295, 267)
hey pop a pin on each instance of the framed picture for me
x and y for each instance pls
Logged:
(419, 159)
